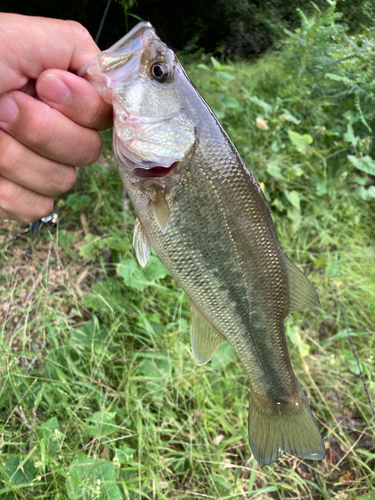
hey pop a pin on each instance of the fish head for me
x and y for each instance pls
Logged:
(154, 125)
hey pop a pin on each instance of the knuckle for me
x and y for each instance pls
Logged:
(39, 136)
(65, 181)
(24, 205)
(9, 192)
(79, 32)
(70, 179)
(38, 207)
(42, 207)
(92, 150)
(11, 151)
(77, 28)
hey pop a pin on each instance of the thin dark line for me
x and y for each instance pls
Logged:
(102, 21)
(354, 350)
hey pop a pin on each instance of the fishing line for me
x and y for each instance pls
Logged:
(354, 349)
(102, 21)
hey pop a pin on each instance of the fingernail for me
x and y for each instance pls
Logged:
(8, 109)
(51, 88)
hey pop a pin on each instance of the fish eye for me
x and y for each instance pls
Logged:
(161, 72)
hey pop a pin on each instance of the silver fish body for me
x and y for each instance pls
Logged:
(204, 213)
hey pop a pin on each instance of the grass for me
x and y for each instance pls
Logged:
(99, 394)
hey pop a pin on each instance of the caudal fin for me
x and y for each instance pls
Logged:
(284, 428)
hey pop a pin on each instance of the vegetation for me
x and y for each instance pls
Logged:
(99, 395)
(245, 28)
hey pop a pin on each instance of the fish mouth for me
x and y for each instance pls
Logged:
(155, 172)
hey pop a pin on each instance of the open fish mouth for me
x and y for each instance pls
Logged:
(155, 172)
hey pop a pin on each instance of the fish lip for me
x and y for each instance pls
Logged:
(118, 54)
(143, 25)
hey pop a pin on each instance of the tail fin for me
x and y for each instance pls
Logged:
(284, 428)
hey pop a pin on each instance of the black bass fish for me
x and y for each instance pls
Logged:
(205, 215)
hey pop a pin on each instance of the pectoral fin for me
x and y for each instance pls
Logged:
(161, 211)
(141, 243)
(205, 339)
(302, 294)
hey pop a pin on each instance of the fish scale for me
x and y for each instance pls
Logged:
(205, 215)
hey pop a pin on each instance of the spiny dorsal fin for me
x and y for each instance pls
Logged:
(302, 294)
(161, 211)
(141, 243)
(205, 339)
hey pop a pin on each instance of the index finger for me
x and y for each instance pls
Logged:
(43, 43)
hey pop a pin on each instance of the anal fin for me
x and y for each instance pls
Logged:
(141, 243)
(302, 293)
(205, 339)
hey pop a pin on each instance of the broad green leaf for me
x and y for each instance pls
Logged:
(89, 335)
(294, 199)
(116, 243)
(229, 102)
(225, 77)
(366, 163)
(339, 78)
(365, 194)
(220, 67)
(155, 269)
(274, 170)
(367, 496)
(214, 82)
(123, 454)
(267, 108)
(52, 435)
(90, 478)
(157, 369)
(362, 181)
(110, 293)
(287, 115)
(218, 113)
(65, 241)
(296, 339)
(342, 334)
(13, 474)
(78, 201)
(349, 135)
(102, 424)
(301, 142)
(332, 270)
(321, 188)
(294, 214)
(205, 67)
(92, 246)
(133, 276)
(93, 301)
(320, 261)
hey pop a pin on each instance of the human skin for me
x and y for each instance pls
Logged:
(49, 117)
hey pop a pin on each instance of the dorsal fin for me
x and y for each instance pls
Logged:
(302, 294)
(160, 209)
(141, 243)
(205, 339)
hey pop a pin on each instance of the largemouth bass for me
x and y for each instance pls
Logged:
(205, 215)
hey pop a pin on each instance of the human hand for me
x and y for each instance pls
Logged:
(43, 140)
